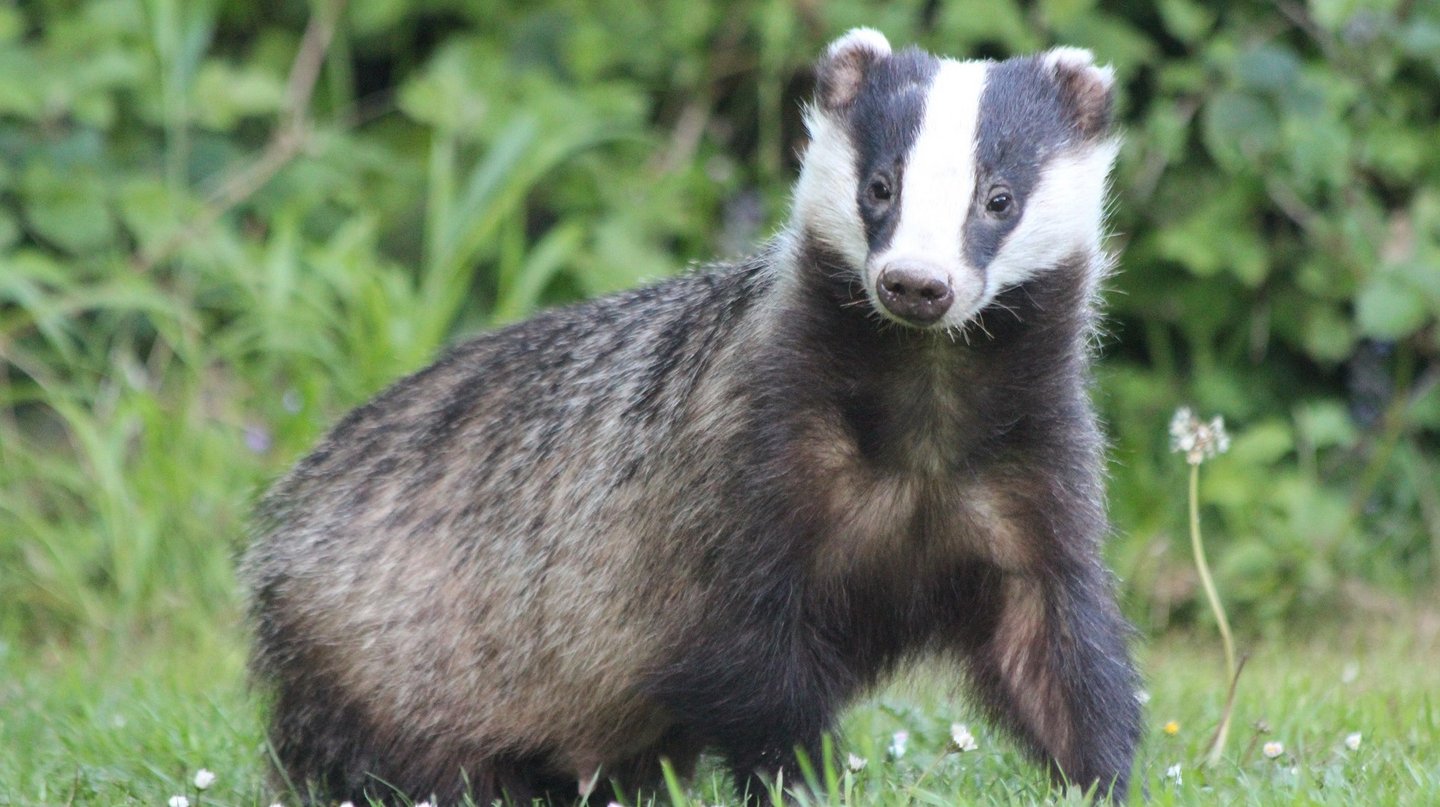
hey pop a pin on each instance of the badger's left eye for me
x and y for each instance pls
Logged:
(880, 189)
(1001, 203)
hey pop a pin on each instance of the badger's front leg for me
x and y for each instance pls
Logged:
(1051, 662)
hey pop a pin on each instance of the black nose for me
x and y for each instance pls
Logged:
(915, 292)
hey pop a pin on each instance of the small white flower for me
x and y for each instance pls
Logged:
(345, 804)
(1352, 741)
(1273, 749)
(204, 779)
(178, 801)
(1142, 696)
(1173, 774)
(342, 804)
(961, 738)
(425, 804)
(856, 763)
(1197, 439)
(1350, 673)
(898, 743)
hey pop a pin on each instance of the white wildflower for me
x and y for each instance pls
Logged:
(204, 779)
(1273, 749)
(1142, 697)
(961, 739)
(898, 743)
(1350, 672)
(856, 763)
(347, 804)
(1173, 774)
(1197, 439)
(178, 801)
(1352, 741)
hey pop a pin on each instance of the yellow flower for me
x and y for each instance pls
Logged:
(1172, 728)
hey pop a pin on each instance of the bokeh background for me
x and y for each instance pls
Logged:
(224, 223)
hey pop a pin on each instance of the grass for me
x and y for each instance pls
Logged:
(117, 722)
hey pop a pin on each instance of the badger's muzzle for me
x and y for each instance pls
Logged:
(916, 292)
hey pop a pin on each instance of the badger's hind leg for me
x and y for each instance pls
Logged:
(334, 755)
(323, 748)
(641, 776)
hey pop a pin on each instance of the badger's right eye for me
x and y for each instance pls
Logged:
(879, 190)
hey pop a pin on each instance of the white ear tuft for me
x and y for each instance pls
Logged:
(867, 39)
(1086, 87)
(1080, 60)
(842, 69)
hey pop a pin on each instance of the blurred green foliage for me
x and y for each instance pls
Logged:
(223, 223)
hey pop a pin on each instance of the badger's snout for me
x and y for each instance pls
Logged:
(916, 292)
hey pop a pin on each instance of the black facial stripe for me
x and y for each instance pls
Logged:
(884, 123)
(1022, 124)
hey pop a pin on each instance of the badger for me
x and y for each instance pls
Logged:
(707, 515)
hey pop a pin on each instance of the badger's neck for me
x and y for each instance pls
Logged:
(928, 399)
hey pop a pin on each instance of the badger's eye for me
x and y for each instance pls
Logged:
(1001, 202)
(879, 189)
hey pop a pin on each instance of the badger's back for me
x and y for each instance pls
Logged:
(473, 563)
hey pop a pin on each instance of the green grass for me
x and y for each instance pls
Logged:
(124, 723)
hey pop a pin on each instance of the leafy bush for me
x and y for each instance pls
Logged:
(223, 223)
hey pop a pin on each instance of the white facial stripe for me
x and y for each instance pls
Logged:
(940, 171)
(1063, 215)
(825, 192)
(939, 182)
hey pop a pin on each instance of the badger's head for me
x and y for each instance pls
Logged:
(941, 183)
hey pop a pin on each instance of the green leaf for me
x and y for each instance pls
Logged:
(68, 211)
(1389, 309)
(1186, 20)
(1319, 153)
(1218, 235)
(1325, 424)
(1113, 40)
(1328, 335)
(1263, 443)
(223, 94)
(1270, 68)
(150, 211)
(518, 296)
(1239, 130)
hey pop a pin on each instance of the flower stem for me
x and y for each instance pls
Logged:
(1231, 674)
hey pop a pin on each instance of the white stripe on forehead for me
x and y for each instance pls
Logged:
(939, 180)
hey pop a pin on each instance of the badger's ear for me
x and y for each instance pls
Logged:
(842, 69)
(1086, 88)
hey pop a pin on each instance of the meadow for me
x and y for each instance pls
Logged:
(225, 223)
(1354, 710)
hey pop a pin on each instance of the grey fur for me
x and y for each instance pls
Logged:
(705, 514)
